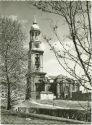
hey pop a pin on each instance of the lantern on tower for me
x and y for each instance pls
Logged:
(34, 31)
(34, 35)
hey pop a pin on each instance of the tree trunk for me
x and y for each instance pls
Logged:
(28, 89)
(8, 83)
(8, 95)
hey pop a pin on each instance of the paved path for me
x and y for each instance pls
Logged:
(48, 105)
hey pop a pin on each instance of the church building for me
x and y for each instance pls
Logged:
(35, 75)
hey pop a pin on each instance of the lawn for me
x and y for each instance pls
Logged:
(9, 119)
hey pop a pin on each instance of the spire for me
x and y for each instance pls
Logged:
(34, 22)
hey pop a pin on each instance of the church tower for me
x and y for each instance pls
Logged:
(35, 75)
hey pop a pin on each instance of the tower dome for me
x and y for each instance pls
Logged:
(35, 27)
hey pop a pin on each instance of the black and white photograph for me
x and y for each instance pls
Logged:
(45, 62)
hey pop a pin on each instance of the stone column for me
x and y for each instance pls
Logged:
(58, 90)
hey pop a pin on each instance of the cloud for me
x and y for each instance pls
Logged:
(42, 46)
(52, 67)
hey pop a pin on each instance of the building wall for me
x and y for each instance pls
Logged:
(46, 96)
(36, 85)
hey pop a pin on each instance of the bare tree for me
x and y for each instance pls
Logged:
(11, 53)
(79, 56)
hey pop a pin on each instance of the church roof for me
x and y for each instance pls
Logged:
(35, 26)
(63, 78)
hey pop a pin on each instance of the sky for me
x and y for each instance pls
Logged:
(25, 12)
